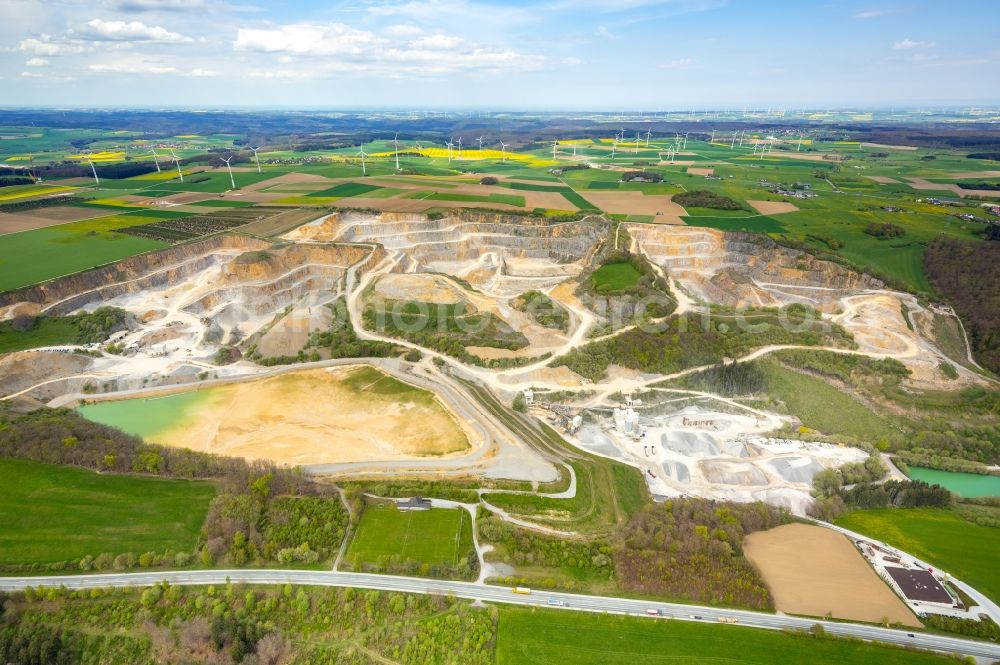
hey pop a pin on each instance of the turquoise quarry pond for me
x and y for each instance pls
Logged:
(963, 484)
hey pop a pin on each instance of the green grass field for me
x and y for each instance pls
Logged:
(48, 331)
(54, 513)
(550, 637)
(42, 254)
(822, 407)
(436, 536)
(615, 277)
(939, 536)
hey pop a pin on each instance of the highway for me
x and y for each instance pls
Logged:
(473, 591)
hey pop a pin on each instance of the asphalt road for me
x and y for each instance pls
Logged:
(505, 595)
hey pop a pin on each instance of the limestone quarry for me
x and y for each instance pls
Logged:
(234, 294)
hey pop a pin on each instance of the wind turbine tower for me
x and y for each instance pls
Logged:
(364, 170)
(555, 144)
(155, 161)
(732, 145)
(637, 143)
(686, 140)
(460, 147)
(450, 147)
(232, 181)
(503, 152)
(94, 169)
(648, 133)
(177, 161)
(395, 142)
(712, 140)
(480, 139)
(255, 157)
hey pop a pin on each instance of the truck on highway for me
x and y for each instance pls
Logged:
(523, 590)
(728, 620)
(653, 613)
(556, 602)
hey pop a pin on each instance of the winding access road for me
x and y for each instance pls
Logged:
(475, 591)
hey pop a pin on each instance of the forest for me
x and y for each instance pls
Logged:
(966, 273)
(690, 341)
(248, 625)
(692, 549)
(702, 198)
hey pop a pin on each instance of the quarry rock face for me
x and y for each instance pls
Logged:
(126, 269)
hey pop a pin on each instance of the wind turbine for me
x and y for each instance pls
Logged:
(255, 157)
(450, 146)
(177, 161)
(503, 152)
(460, 147)
(712, 140)
(574, 150)
(799, 146)
(637, 143)
(554, 144)
(94, 169)
(686, 140)
(232, 180)
(648, 133)
(732, 146)
(395, 141)
(480, 139)
(613, 146)
(155, 161)
(742, 132)
(364, 170)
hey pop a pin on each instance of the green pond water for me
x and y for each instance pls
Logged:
(146, 417)
(963, 484)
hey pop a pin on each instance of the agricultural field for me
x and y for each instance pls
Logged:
(939, 536)
(42, 254)
(541, 637)
(55, 513)
(434, 537)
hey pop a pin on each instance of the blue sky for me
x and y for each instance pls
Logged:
(550, 54)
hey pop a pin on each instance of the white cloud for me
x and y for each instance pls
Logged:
(139, 68)
(37, 62)
(130, 31)
(199, 72)
(305, 39)
(909, 44)
(404, 30)
(41, 46)
(157, 5)
(875, 13)
(341, 48)
(31, 75)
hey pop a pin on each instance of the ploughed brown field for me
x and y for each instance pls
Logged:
(811, 570)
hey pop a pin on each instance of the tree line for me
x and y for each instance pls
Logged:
(967, 274)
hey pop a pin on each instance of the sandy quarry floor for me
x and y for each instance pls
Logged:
(772, 207)
(314, 417)
(811, 570)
